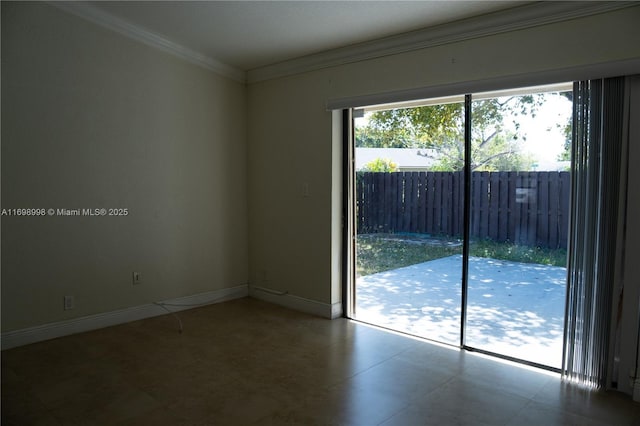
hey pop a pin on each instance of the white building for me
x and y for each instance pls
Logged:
(407, 159)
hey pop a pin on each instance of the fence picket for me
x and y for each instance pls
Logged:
(542, 230)
(563, 216)
(503, 207)
(529, 208)
(475, 207)
(422, 207)
(414, 197)
(429, 228)
(494, 205)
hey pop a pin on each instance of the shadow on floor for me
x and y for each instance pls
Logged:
(516, 309)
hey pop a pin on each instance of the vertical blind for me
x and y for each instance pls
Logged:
(596, 158)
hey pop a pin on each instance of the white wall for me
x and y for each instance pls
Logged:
(290, 132)
(92, 119)
(290, 129)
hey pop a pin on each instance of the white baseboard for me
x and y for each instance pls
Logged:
(297, 303)
(336, 310)
(40, 333)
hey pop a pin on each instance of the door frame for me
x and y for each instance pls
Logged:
(349, 238)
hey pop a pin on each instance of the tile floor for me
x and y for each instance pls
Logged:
(248, 362)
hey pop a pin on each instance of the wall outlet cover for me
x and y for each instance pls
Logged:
(68, 303)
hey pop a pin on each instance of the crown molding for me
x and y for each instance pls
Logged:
(106, 20)
(518, 18)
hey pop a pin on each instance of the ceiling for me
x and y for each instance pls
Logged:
(247, 35)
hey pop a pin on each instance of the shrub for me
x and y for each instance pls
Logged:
(380, 165)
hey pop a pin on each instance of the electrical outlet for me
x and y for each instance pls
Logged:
(68, 303)
(137, 278)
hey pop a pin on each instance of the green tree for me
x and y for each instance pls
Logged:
(380, 165)
(441, 128)
(567, 131)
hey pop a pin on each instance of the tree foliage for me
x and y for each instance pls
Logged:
(380, 165)
(567, 131)
(441, 128)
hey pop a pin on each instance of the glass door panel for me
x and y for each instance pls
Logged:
(518, 225)
(409, 219)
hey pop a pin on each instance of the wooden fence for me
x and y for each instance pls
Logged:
(528, 208)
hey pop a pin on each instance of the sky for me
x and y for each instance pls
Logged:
(544, 139)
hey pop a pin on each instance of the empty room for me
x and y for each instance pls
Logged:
(324, 213)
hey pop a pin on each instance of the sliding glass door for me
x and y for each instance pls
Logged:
(410, 221)
(409, 218)
(519, 203)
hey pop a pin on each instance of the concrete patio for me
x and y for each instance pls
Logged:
(516, 309)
